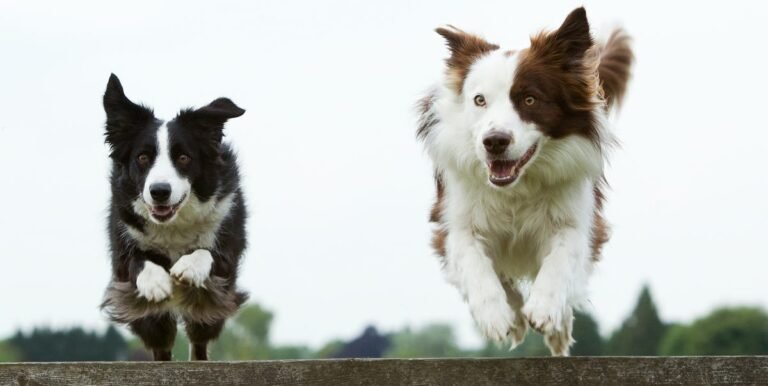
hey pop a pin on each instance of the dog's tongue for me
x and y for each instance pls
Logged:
(502, 168)
(161, 210)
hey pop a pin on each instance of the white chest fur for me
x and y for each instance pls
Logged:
(516, 229)
(195, 227)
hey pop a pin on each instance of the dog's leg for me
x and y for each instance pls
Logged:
(559, 342)
(519, 325)
(199, 335)
(471, 271)
(158, 333)
(562, 277)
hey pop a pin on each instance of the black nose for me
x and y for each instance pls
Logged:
(496, 142)
(160, 191)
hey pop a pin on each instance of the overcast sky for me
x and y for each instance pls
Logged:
(338, 187)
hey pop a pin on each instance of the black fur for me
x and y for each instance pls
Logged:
(131, 131)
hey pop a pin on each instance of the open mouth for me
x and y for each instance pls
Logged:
(164, 213)
(505, 171)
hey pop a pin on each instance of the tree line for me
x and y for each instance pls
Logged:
(725, 331)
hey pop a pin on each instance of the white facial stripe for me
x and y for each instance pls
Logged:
(163, 170)
(492, 76)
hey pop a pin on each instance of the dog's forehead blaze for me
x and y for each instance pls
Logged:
(493, 74)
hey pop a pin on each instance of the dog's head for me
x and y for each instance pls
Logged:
(514, 101)
(164, 164)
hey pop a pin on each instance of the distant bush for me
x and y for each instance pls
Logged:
(726, 331)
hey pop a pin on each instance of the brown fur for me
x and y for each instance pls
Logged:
(465, 50)
(563, 71)
(616, 60)
(560, 71)
(439, 234)
(427, 120)
(568, 74)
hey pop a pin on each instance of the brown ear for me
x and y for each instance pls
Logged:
(465, 49)
(573, 36)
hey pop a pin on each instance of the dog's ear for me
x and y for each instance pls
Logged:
(573, 37)
(124, 118)
(207, 122)
(465, 49)
(218, 112)
(114, 98)
(118, 107)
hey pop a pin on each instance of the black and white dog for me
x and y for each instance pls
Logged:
(176, 222)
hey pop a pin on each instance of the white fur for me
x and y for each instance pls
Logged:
(193, 228)
(194, 268)
(163, 170)
(498, 114)
(534, 232)
(153, 283)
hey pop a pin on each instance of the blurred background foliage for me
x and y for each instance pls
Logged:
(725, 331)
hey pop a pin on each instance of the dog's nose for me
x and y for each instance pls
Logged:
(496, 142)
(160, 191)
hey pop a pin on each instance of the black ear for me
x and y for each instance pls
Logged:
(114, 97)
(208, 121)
(115, 101)
(218, 112)
(124, 118)
(573, 35)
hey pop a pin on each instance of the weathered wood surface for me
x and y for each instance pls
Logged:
(476, 372)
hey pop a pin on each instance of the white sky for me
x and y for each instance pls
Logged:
(338, 187)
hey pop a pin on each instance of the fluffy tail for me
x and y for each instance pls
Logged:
(616, 59)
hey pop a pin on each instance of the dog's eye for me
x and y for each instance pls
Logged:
(479, 100)
(184, 160)
(529, 100)
(143, 160)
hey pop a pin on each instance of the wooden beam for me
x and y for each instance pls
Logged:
(476, 372)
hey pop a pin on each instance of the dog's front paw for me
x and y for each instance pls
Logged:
(560, 342)
(495, 319)
(545, 312)
(519, 330)
(193, 269)
(153, 283)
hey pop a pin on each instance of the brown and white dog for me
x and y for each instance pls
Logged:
(518, 139)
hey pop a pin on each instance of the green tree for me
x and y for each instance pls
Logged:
(291, 352)
(180, 350)
(8, 353)
(329, 349)
(75, 344)
(431, 341)
(726, 331)
(532, 346)
(113, 345)
(587, 335)
(641, 332)
(246, 336)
